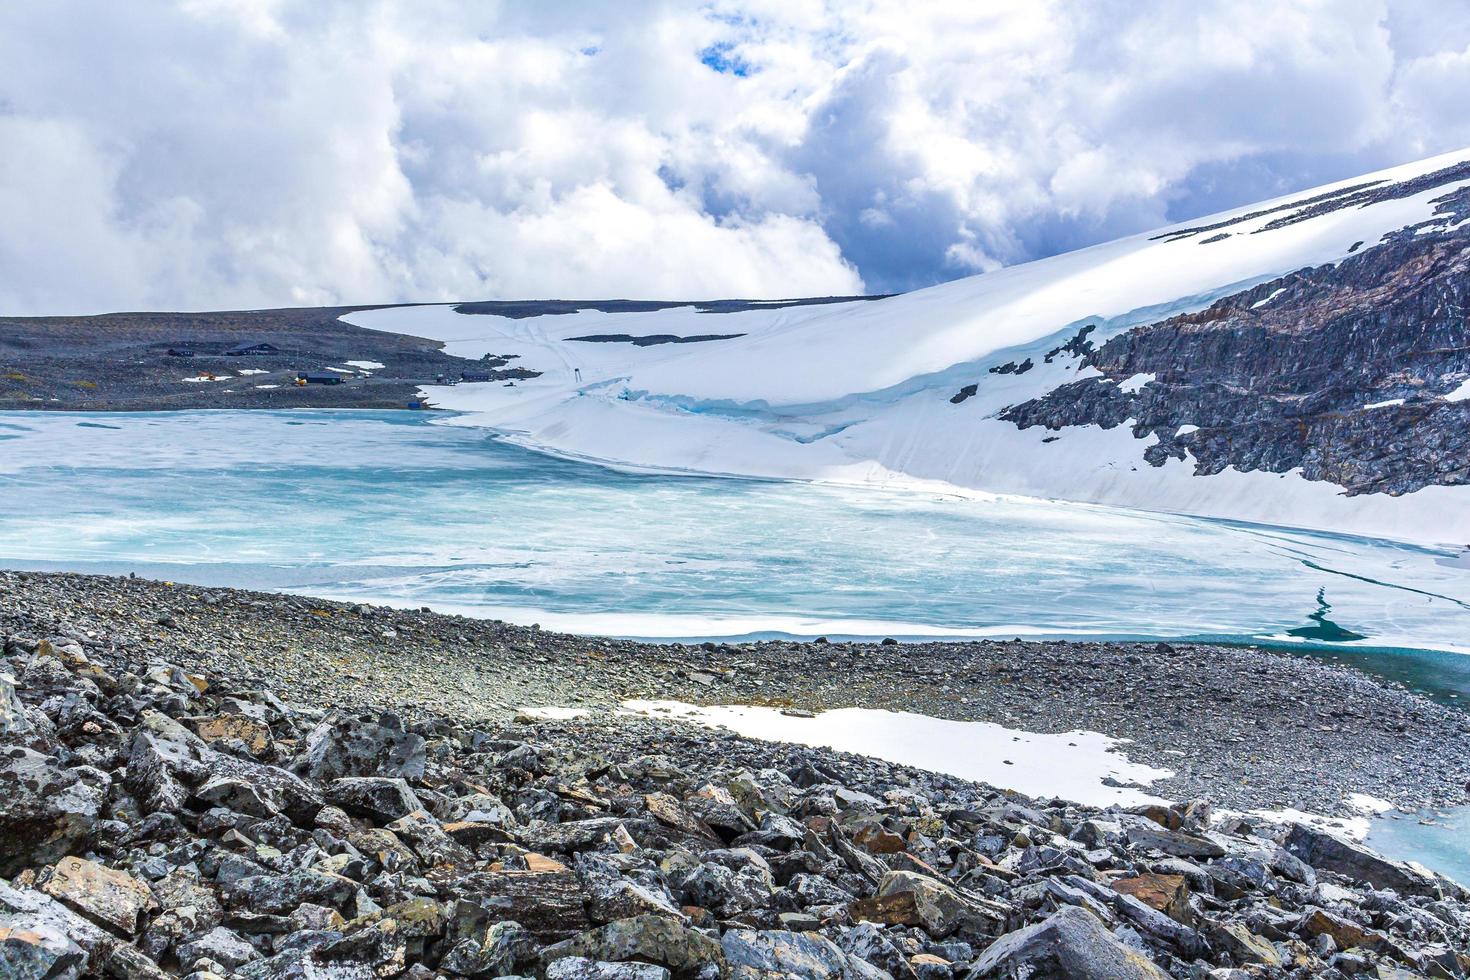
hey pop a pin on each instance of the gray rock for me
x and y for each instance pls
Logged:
(378, 798)
(752, 954)
(33, 947)
(1328, 852)
(645, 938)
(45, 812)
(274, 894)
(1070, 943)
(581, 968)
(14, 725)
(222, 946)
(342, 746)
(1143, 832)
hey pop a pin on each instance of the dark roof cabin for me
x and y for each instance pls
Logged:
(320, 377)
(258, 350)
(475, 376)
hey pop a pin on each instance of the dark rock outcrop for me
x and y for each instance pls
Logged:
(1339, 371)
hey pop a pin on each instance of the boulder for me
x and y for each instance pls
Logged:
(1242, 945)
(108, 897)
(166, 762)
(547, 898)
(429, 841)
(379, 798)
(1166, 893)
(670, 812)
(573, 835)
(581, 968)
(35, 949)
(609, 896)
(1069, 943)
(26, 911)
(280, 894)
(220, 945)
(1345, 933)
(46, 811)
(645, 938)
(940, 908)
(14, 724)
(1329, 852)
(342, 746)
(758, 955)
(1143, 832)
(254, 735)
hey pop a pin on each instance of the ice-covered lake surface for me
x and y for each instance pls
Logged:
(390, 507)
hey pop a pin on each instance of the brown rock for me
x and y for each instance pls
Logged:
(874, 839)
(1167, 893)
(1243, 945)
(112, 898)
(670, 812)
(1346, 933)
(1161, 815)
(255, 736)
(887, 910)
(547, 898)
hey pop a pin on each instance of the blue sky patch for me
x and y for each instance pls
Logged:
(723, 59)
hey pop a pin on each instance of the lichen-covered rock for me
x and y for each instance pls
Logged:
(645, 938)
(759, 955)
(46, 811)
(343, 746)
(33, 949)
(111, 898)
(581, 968)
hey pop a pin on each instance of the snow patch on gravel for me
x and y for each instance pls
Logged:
(1071, 765)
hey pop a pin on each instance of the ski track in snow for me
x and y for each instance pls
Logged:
(859, 393)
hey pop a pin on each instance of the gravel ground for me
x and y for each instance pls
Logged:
(1255, 728)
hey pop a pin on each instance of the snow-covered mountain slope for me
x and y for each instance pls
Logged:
(972, 384)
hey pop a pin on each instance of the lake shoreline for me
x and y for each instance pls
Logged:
(1233, 723)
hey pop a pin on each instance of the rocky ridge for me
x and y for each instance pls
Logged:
(1341, 371)
(157, 822)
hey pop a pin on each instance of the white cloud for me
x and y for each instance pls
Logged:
(213, 153)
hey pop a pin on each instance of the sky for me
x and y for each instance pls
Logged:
(216, 154)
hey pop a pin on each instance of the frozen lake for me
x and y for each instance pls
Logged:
(390, 507)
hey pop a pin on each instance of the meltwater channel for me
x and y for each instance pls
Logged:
(391, 507)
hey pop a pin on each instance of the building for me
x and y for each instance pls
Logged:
(475, 376)
(180, 352)
(319, 377)
(253, 350)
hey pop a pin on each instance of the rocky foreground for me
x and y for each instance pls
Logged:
(157, 822)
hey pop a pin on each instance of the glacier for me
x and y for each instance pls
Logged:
(860, 392)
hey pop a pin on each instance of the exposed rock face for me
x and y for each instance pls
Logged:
(617, 849)
(1340, 371)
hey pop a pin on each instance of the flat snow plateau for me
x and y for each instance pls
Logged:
(860, 392)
